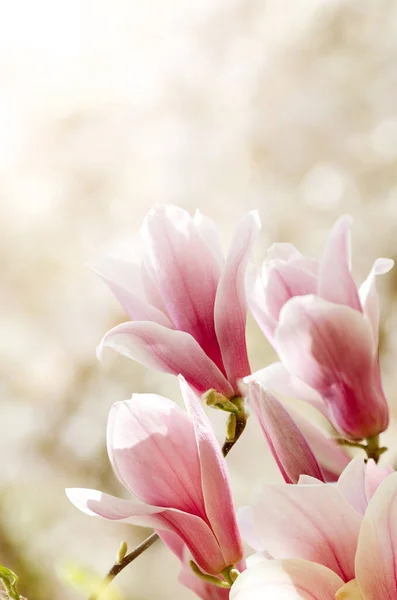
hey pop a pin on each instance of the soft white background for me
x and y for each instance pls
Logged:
(107, 107)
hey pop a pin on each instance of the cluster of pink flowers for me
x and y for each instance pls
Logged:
(330, 531)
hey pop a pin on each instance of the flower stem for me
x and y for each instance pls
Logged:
(343, 442)
(372, 448)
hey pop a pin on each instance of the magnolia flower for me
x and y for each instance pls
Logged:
(325, 331)
(186, 302)
(329, 541)
(171, 463)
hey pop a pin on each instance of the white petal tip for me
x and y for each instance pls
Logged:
(242, 386)
(348, 219)
(383, 265)
(250, 378)
(74, 496)
(99, 352)
(256, 218)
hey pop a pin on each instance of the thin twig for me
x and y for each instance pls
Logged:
(119, 566)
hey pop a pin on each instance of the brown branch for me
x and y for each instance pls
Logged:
(124, 562)
(241, 421)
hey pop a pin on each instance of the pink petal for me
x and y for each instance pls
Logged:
(289, 447)
(153, 452)
(199, 538)
(308, 480)
(150, 286)
(286, 280)
(167, 350)
(286, 580)
(360, 480)
(98, 504)
(187, 273)
(174, 543)
(209, 233)
(374, 475)
(230, 304)
(313, 522)
(202, 589)
(123, 273)
(369, 295)
(313, 345)
(282, 251)
(247, 528)
(214, 480)
(335, 281)
(376, 560)
(351, 484)
(124, 280)
(309, 264)
(277, 379)
(256, 299)
(330, 455)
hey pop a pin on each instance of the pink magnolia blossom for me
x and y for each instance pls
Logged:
(325, 331)
(171, 463)
(327, 541)
(298, 447)
(186, 302)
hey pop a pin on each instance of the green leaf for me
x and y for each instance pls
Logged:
(10, 581)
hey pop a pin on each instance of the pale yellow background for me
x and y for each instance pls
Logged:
(108, 106)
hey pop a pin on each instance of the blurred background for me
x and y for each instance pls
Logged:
(107, 107)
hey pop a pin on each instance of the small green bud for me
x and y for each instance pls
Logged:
(231, 428)
(122, 551)
(212, 397)
(233, 574)
(219, 401)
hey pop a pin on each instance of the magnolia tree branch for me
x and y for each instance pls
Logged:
(122, 563)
